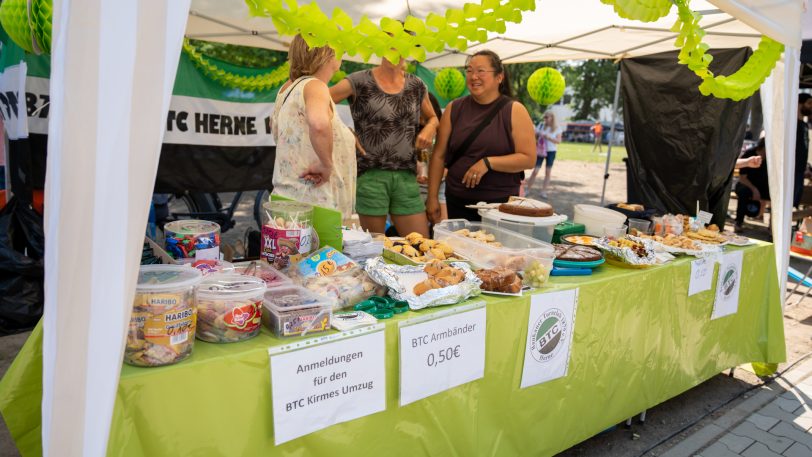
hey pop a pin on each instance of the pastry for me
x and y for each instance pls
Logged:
(631, 207)
(500, 280)
(576, 253)
(529, 208)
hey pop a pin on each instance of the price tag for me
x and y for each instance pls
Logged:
(704, 217)
(441, 353)
(701, 276)
(328, 382)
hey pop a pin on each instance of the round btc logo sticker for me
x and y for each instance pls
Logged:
(549, 333)
(729, 281)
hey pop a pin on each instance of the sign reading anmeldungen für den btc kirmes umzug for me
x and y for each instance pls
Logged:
(318, 386)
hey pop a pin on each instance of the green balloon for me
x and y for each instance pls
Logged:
(14, 19)
(449, 83)
(546, 86)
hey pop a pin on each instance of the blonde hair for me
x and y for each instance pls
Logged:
(305, 61)
(554, 124)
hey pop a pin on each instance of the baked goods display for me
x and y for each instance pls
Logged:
(583, 240)
(419, 249)
(631, 206)
(576, 253)
(481, 236)
(500, 280)
(638, 248)
(527, 207)
(675, 241)
(707, 235)
(440, 275)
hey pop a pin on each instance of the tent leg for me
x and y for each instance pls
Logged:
(611, 136)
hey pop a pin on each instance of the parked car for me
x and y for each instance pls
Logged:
(578, 132)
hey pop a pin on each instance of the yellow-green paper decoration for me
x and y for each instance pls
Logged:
(449, 83)
(546, 86)
(256, 83)
(14, 19)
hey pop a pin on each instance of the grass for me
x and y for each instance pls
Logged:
(582, 152)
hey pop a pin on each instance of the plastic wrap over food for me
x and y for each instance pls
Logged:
(629, 254)
(401, 279)
(702, 250)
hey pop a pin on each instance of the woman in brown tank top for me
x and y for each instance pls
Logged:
(492, 167)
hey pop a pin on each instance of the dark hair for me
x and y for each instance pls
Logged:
(803, 96)
(496, 62)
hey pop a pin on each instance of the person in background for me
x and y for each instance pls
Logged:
(549, 134)
(423, 168)
(801, 146)
(315, 151)
(752, 189)
(387, 105)
(486, 141)
(597, 132)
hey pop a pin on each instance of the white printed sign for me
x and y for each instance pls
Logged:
(440, 354)
(549, 336)
(327, 384)
(12, 101)
(704, 217)
(701, 276)
(727, 285)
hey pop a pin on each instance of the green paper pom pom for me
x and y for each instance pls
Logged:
(546, 86)
(340, 74)
(41, 18)
(449, 83)
(14, 19)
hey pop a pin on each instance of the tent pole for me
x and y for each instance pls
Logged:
(611, 136)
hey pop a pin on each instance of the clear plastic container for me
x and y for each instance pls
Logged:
(513, 251)
(264, 271)
(594, 218)
(162, 325)
(296, 311)
(229, 307)
(540, 228)
(208, 267)
(190, 240)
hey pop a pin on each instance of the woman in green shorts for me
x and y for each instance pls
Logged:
(387, 104)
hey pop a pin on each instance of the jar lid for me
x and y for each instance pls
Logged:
(228, 286)
(210, 266)
(153, 278)
(192, 227)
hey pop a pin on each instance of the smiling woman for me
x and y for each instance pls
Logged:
(486, 141)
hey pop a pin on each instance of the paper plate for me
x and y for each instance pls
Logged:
(571, 264)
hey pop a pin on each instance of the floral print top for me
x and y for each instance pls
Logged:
(295, 153)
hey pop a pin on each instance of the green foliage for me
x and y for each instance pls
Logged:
(593, 85)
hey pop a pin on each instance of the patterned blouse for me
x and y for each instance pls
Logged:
(386, 124)
(295, 153)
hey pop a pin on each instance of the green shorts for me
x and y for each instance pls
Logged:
(382, 192)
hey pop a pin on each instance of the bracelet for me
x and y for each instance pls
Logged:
(487, 163)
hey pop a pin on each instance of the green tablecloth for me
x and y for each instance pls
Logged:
(639, 340)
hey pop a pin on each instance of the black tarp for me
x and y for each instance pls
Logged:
(682, 146)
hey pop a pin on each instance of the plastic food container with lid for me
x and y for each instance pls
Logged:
(296, 311)
(262, 270)
(508, 249)
(595, 218)
(162, 325)
(190, 240)
(229, 307)
(208, 267)
(540, 228)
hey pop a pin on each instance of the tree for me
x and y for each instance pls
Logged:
(593, 86)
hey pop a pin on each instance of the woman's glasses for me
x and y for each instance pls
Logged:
(479, 71)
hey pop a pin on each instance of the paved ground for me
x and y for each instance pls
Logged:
(711, 419)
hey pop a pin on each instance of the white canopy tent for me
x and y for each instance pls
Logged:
(113, 68)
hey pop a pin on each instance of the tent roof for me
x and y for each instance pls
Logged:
(557, 30)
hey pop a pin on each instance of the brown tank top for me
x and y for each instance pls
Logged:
(495, 139)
